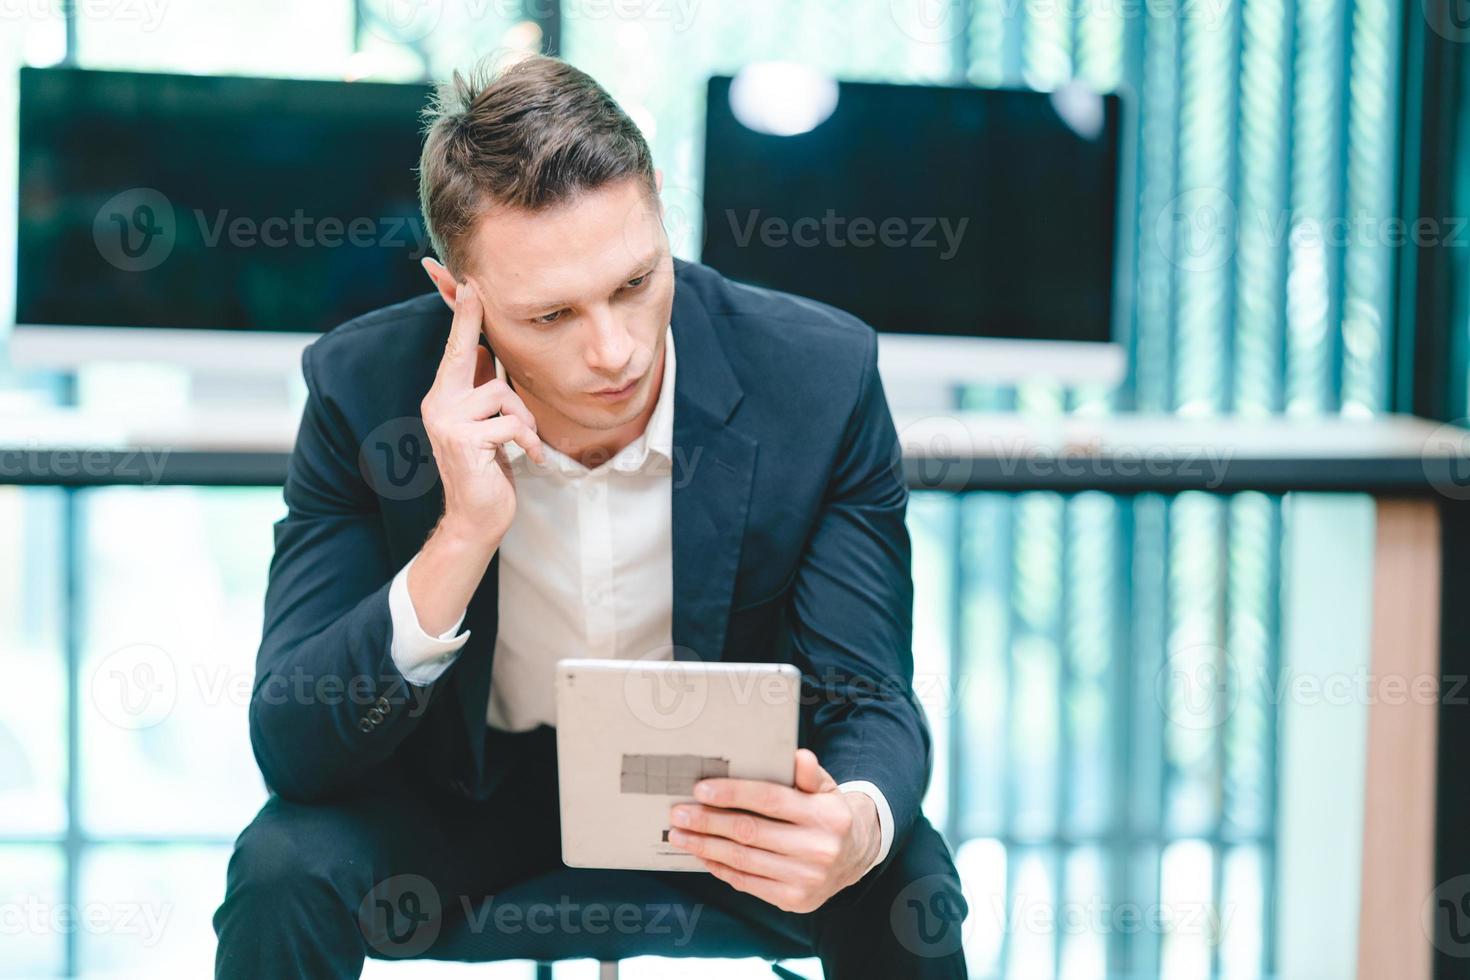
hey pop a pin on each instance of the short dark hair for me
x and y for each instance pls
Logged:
(529, 135)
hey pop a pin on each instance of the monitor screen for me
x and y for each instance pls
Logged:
(925, 210)
(153, 200)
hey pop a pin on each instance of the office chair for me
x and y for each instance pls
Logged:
(530, 922)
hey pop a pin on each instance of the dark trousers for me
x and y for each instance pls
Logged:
(304, 880)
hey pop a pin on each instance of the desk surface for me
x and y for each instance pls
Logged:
(1168, 454)
(958, 451)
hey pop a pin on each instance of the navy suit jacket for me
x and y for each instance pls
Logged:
(789, 545)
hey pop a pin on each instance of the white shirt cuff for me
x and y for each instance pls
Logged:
(418, 656)
(885, 816)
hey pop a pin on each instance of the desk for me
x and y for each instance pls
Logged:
(1417, 472)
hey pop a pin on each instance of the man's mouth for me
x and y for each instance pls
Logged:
(614, 394)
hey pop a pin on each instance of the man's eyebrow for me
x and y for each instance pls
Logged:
(644, 265)
(538, 307)
(641, 268)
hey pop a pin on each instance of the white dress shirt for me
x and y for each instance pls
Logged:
(586, 570)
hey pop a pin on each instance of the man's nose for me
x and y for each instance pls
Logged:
(610, 346)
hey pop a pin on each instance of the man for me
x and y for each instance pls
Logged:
(653, 462)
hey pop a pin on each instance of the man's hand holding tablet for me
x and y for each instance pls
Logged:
(691, 766)
(792, 846)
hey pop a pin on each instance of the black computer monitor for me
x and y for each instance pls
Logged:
(961, 212)
(232, 204)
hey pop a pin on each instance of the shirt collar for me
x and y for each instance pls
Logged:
(657, 437)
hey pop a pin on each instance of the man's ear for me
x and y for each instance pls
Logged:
(443, 280)
(658, 181)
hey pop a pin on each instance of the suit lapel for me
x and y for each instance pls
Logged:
(712, 481)
(713, 468)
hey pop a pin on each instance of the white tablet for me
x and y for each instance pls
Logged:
(634, 736)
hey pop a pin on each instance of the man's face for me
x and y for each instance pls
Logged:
(577, 300)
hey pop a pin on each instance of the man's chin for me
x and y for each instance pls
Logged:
(609, 416)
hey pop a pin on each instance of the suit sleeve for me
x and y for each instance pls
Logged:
(328, 702)
(852, 627)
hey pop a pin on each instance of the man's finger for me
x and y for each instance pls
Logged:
(756, 795)
(777, 867)
(496, 397)
(772, 892)
(507, 428)
(810, 776)
(751, 830)
(458, 363)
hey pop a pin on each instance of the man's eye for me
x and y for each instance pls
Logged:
(635, 283)
(548, 317)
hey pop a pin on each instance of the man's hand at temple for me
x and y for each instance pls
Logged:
(469, 414)
(794, 847)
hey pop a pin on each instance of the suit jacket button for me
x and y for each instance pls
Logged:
(384, 705)
(363, 725)
(375, 716)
